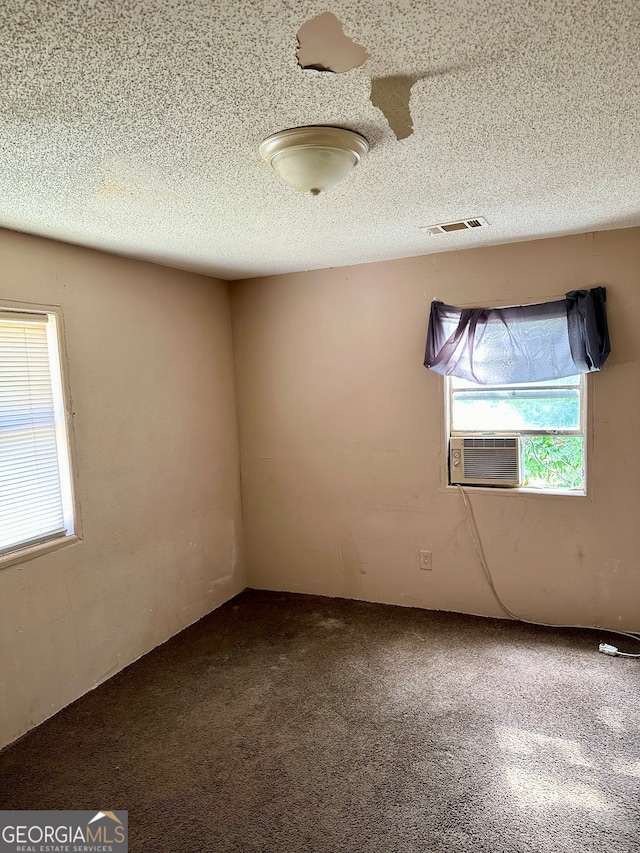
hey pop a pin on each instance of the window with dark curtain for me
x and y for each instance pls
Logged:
(528, 343)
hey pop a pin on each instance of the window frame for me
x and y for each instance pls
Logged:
(583, 430)
(65, 439)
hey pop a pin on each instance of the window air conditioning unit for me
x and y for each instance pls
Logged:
(485, 461)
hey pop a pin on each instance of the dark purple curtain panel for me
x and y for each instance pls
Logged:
(527, 343)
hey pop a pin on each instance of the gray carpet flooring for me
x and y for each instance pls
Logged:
(295, 724)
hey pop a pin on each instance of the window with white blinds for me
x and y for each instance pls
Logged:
(35, 484)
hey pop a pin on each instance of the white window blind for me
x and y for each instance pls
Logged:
(35, 485)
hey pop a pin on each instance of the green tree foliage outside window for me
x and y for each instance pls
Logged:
(553, 461)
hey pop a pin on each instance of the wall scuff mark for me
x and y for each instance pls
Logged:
(323, 46)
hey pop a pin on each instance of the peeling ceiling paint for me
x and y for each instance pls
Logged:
(323, 46)
(391, 95)
(134, 127)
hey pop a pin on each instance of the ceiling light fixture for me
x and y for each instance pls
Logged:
(314, 159)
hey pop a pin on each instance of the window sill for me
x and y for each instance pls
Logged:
(33, 551)
(518, 490)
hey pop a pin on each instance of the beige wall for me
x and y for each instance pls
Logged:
(342, 463)
(156, 474)
(342, 440)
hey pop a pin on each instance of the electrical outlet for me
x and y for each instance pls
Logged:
(425, 561)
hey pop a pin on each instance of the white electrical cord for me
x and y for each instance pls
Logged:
(624, 654)
(477, 544)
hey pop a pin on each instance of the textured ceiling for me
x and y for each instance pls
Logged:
(134, 126)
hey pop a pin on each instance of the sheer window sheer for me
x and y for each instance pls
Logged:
(528, 343)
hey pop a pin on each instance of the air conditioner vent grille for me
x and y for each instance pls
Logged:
(490, 442)
(499, 466)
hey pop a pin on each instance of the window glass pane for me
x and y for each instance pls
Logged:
(553, 461)
(501, 409)
(32, 433)
(548, 461)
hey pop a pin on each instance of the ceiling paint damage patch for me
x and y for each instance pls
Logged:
(391, 95)
(323, 46)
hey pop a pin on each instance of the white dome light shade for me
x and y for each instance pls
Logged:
(313, 159)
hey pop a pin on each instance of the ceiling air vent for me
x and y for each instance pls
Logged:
(462, 225)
